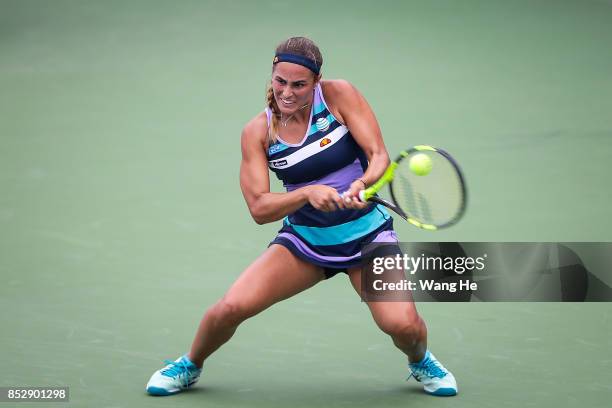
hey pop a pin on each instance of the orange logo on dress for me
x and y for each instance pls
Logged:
(325, 142)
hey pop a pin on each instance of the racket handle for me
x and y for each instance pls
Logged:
(362, 195)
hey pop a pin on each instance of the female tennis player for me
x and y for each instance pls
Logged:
(322, 140)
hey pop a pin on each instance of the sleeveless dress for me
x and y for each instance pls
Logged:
(327, 155)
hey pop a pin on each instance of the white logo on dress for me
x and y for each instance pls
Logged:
(322, 124)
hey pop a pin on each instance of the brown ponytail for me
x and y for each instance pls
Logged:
(274, 117)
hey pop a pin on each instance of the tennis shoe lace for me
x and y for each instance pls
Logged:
(176, 369)
(428, 368)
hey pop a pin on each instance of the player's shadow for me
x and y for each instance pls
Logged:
(318, 395)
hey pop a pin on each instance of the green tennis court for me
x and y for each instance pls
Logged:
(121, 217)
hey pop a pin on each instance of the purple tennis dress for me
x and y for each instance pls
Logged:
(327, 155)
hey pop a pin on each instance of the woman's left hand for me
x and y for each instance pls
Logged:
(351, 196)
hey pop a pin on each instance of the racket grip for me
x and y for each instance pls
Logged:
(361, 196)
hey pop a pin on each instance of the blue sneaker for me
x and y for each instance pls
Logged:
(175, 377)
(436, 379)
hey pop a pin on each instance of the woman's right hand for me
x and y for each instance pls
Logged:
(324, 198)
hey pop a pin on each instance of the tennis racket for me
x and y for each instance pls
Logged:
(431, 201)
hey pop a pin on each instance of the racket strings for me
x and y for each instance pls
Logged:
(436, 198)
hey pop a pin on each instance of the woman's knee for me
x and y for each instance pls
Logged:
(231, 312)
(405, 326)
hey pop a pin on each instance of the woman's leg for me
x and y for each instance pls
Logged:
(276, 275)
(399, 320)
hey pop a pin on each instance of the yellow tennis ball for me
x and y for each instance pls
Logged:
(420, 164)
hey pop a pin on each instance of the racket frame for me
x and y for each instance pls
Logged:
(369, 194)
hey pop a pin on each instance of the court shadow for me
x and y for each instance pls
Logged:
(302, 395)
